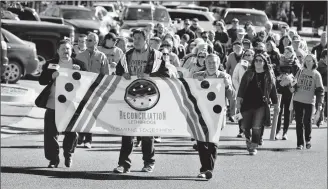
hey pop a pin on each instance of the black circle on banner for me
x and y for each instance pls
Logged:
(217, 109)
(211, 96)
(76, 76)
(61, 98)
(205, 84)
(69, 87)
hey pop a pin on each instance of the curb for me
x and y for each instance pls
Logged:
(25, 99)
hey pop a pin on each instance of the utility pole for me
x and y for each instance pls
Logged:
(291, 9)
(300, 18)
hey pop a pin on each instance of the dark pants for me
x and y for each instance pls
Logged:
(303, 114)
(85, 137)
(253, 119)
(323, 113)
(147, 148)
(207, 152)
(284, 107)
(240, 127)
(51, 145)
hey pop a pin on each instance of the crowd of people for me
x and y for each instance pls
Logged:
(256, 67)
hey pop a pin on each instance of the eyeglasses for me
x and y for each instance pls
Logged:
(259, 60)
(165, 54)
(166, 45)
(186, 24)
(89, 40)
(201, 56)
(247, 55)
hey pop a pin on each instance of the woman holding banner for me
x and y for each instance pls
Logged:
(256, 87)
(208, 151)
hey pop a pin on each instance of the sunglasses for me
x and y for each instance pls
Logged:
(247, 55)
(166, 54)
(201, 56)
(89, 40)
(205, 37)
(166, 45)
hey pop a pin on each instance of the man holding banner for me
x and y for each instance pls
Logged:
(141, 61)
(208, 150)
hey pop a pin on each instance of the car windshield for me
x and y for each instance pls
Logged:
(109, 8)
(256, 19)
(158, 14)
(78, 14)
(127, 27)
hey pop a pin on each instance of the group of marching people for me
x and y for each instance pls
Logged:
(255, 67)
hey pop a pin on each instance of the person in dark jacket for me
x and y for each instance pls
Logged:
(322, 69)
(274, 54)
(48, 77)
(187, 30)
(284, 42)
(256, 88)
(322, 45)
(221, 33)
(141, 61)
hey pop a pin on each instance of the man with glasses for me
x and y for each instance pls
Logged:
(95, 62)
(80, 46)
(187, 30)
(141, 61)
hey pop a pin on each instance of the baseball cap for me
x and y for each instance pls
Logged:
(246, 41)
(241, 31)
(110, 35)
(235, 20)
(195, 20)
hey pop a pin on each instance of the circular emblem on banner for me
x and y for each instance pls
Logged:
(142, 95)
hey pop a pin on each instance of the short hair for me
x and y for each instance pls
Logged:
(186, 37)
(315, 62)
(323, 53)
(157, 39)
(139, 31)
(95, 36)
(64, 41)
(216, 57)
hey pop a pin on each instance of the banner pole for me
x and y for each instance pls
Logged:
(275, 120)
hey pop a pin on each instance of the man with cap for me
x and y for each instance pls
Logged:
(240, 34)
(298, 43)
(232, 32)
(233, 59)
(322, 45)
(187, 30)
(194, 27)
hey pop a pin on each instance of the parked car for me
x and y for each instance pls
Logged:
(22, 57)
(257, 17)
(105, 18)
(146, 13)
(25, 13)
(44, 34)
(110, 8)
(8, 15)
(81, 18)
(4, 58)
(206, 19)
(193, 7)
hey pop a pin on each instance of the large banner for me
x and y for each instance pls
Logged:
(95, 103)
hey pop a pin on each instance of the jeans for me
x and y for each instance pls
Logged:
(51, 144)
(232, 107)
(303, 113)
(323, 113)
(253, 119)
(147, 148)
(207, 155)
(284, 107)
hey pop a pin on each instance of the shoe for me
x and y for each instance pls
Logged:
(201, 175)
(87, 145)
(308, 145)
(261, 142)
(68, 162)
(248, 145)
(299, 147)
(252, 151)
(240, 135)
(284, 137)
(277, 137)
(157, 139)
(54, 163)
(231, 119)
(121, 169)
(195, 147)
(138, 144)
(208, 174)
(148, 168)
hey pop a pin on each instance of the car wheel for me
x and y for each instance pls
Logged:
(13, 72)
(38, 71)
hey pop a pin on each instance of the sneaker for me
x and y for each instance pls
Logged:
(277, 137)
(201, 175)
(157, 139)
(208, 174)
(54, 163)
(308, 145)
(138, 144)
(87, 145)
(261, 142)
(252, 151)
(121, 169)
(231, 119)
(240, 135)
(148, 168)
(68, 162)
(299, 147)
(284, 137)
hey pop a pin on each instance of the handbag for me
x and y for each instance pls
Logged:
(42, 100)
